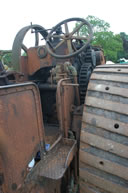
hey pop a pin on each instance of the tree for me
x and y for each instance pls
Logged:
(111, 43)
(7, 59)
(124, 37)
(98, 25)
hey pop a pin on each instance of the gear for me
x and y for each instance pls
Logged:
(90, 57)
(84, 75)
(89, 63)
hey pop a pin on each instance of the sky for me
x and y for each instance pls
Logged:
(16, 14)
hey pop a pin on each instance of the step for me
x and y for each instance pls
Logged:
(54, 164)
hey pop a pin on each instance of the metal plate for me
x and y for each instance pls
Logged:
(55, 163)
(21, 132)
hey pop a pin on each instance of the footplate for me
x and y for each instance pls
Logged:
(54, 164)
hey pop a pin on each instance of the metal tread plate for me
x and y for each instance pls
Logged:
(54, 164)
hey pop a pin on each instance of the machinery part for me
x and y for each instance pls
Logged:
(63, 70)
(3, 80)
(18, 43)
(91, 57)
(41, 75)
(84, 76)
(100, 59)
(20, 138)
(42, 52)
(104, 134)
(68, 37)
(54, 164)
(10, 77)
(88, 64)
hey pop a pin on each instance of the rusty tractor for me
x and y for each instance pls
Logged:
(63, 115)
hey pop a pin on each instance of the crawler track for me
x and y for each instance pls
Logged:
(104, 134)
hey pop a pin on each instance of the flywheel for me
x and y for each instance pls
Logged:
(104, 133)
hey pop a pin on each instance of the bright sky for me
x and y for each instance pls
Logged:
(15, 14)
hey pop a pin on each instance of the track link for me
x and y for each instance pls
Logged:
(104, 134)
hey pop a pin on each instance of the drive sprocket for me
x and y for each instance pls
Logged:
(84, 75)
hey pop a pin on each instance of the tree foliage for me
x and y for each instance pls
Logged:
(111, 43)
(98, 25)
(7, 59)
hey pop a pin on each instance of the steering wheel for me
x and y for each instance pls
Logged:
(69, 38)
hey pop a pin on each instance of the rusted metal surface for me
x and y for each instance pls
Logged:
(88, 188)
(108, 89)
(41, 185)
(35, 62)
(107, 105)
(77, 122)
(21, 133)
(121, 66)
(91, 176)
(22, 136)
(68, 100)
(105, 144)
(106, 123)
(104, 164)
(52, 134)
(110, 77)
(11, 77)
(104, 135)
(55, 163)
(65, 100)
(114, 70)
(77, 118)
(24, 67)
(100, 59)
